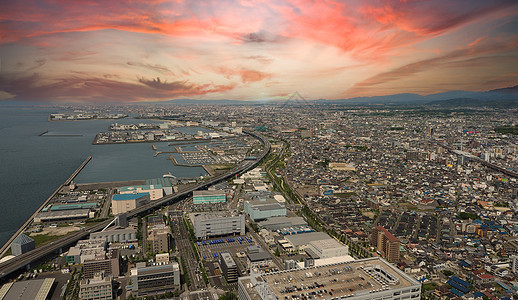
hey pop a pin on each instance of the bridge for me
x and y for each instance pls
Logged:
(57, 246)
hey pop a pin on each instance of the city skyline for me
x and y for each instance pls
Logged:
(63, 51)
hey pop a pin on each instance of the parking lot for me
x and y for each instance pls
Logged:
(210, 251)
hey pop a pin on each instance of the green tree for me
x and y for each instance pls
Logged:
(228, 296)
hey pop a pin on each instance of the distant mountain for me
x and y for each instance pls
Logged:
(464, 98)
(195, 101)
(509, 90)
(470, 102)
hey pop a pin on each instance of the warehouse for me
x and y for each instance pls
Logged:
(122, 203)
(116, 235)
(261, 208)
(301, 241)
(62, 215)
(155, 191)
(216, 196)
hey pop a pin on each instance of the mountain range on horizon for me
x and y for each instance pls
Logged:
(498, 97)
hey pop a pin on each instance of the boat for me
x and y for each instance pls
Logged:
(168, 175)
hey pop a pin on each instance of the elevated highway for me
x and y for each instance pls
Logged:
(57, 246)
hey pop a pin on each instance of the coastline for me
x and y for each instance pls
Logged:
(22, 228)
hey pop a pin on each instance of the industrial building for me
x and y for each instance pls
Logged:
(257, 257)
(97, 288)
(166, 183)
(22, 244)
(228, 267)
(122, 203)
(276, 223)
(260, 207)
(215, 196)
(155, 191)
(27, 290)
(327, 248)
(386, 243)
(300, 242)
(155, 279)
(63, 215)
(121, 235)
(217, 223)
(369, 278)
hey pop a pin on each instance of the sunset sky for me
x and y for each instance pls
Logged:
(154, 50)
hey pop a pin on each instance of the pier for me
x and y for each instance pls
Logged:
(25, 259)
(7, 244)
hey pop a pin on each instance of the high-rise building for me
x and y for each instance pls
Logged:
(109, 264)
(386, 243)
(229, 267)
(97, 288)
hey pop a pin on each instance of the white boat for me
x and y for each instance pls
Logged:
(168, 175)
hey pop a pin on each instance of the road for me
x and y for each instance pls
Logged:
(25, 259)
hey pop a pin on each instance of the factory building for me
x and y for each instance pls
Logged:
(155, 191)
(257, 257)
(155, 279)
(300, 242)
(228, 267)
(97, 288)
(166, 183)
(327, 248)
(369, 278)
(116, 235)
(122, 203)
(216, 196)
(27, 289)
(263, 208)
(63, 215)
(22, 244)
(217, 223)
(386, 243)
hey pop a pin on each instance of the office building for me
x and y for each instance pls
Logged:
(216, 196)
(27, 289)
(22, 244)
(228, 267)
(370, 278)
(160, 241)
(386, 243)
(122, 203)
(107, 263)
(155, 279)
(155, 191)
(218, 223)
(97, 288)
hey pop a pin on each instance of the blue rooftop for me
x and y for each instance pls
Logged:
(460, 281)
(120, 197)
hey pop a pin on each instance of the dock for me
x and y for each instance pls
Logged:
(163, 152)
(7, 244)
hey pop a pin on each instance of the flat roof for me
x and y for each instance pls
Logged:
(216, 215)
(305, 238)
(228, 259)
(345, 279)
(279, 222)
(28, 289)
(142, 187)
(121, 197)
(208, 193)
(72, 213)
